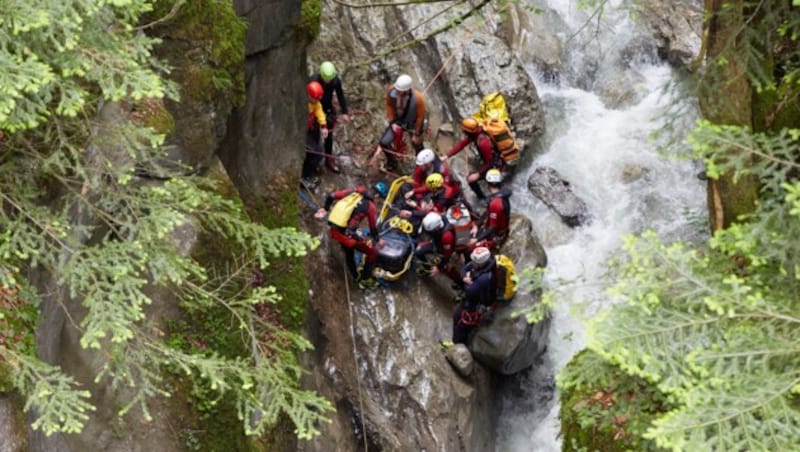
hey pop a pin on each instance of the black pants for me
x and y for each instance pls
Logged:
(313, 153)
(330, 117)
(460, 331)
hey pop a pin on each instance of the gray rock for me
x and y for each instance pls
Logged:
(13, 429)
(509, 343)
(546, 184)
(461, 359)
(677, 26)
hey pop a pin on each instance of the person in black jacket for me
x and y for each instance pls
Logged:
(480, 287)
(331, 84)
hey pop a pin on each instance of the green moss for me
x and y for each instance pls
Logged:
(280, 209)
(605, 409)
(211, 422)
(217, 35)
(152, 113)
(310, 18)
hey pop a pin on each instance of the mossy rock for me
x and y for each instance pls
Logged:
(605, 409)
(310, 18)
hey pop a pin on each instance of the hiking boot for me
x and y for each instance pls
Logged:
(310, 183)
(330, 162)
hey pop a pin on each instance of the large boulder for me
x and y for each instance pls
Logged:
(509, 343)
(677, 27)
(546, 184)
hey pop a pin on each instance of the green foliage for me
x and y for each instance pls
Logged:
(58, 57)
(603, 408)
(310, 18)
(75, 209)
(716, 327)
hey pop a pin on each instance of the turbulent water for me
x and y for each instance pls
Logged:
(613, 164)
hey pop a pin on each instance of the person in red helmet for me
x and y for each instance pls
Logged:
(473, 133)
(331, 84)
(316, 130)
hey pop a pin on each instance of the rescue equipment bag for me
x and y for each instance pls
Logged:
(343, 209)
(493, 106)
(503, 139)
(506, 277)
(459, 218)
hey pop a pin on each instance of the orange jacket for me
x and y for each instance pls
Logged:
(414, 115)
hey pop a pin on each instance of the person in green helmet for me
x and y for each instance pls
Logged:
(331, 83)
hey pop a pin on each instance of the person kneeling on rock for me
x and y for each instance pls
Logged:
(480, 288)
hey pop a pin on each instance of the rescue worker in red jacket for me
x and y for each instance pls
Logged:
(331, 84)
(473, 133)
(442, 245)
(316, 129)
(427, 163)
(442, 194)
(352, 206)
(493, 230)
(405, 111)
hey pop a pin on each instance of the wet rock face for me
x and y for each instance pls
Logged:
(13, 428)
(454, 69)
(677, 27)
(389, 371)
(546, 184)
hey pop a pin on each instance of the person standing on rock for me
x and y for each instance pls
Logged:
(316, 129)
(480, 288)
(473, 133)
(331, 84)
(405, 111)
(493, 225)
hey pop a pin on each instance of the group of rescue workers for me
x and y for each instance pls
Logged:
(455, 239)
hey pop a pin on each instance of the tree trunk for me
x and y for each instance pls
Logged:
(726, 98)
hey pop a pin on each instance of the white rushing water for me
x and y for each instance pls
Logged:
(612, 163)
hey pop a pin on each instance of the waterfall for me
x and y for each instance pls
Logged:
(613, 164)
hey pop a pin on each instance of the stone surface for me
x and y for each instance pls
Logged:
(546, 184)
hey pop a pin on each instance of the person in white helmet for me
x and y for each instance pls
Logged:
(440, 246)
(495, 221)
(405, 111)
(427, 163)
(480, 286)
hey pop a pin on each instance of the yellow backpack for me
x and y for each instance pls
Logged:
(503, 140)
(343, 209)
(506, 276)
(493, 106)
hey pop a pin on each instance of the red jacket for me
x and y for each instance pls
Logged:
(497, 217)
(485, 149)
(420, 174)
(365, 209)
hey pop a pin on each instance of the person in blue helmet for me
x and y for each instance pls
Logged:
(328, 77)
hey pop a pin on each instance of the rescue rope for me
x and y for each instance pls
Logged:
(355, 357)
